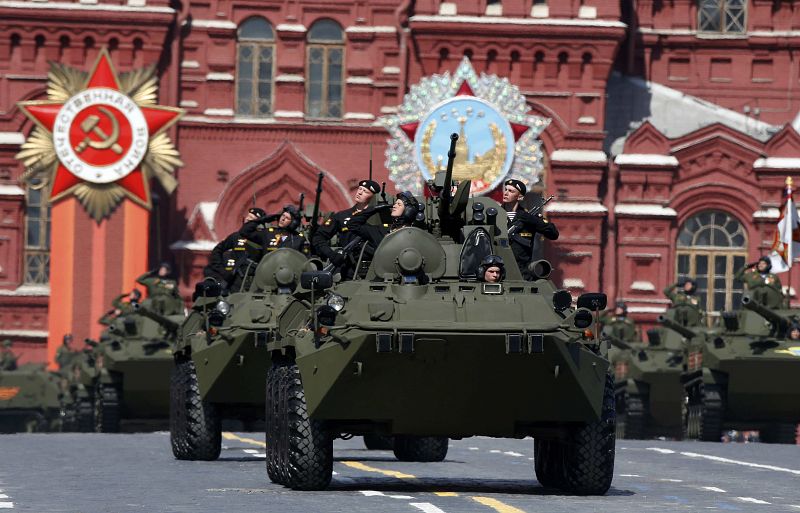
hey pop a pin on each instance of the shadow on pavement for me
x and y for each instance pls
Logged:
(421, 485)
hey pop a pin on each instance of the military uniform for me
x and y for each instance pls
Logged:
(753, 279)
(679, 297)
(64, 357)
(8, 361)
(620, 327)
(158, 286)
(522, 234)
(273, 237)
(230, 257)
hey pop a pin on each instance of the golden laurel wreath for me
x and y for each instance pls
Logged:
(38, 153)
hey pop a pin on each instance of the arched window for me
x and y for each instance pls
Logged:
(255, 67)
(712, 246)
(725, 16)
(37, 238)
(325, 83)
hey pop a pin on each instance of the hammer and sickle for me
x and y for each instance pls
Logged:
(90, 125)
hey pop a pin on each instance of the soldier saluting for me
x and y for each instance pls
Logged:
(758, 274)
(337, 224)
(525, 225)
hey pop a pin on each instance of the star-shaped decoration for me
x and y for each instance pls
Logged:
(408, 152)
(100, 124)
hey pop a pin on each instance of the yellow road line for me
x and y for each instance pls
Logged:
(230, 436)
(366, 468)
(446, 494)
(495, 504)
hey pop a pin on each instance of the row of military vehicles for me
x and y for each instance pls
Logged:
(695, 381)
(416, 349)
(124, 376)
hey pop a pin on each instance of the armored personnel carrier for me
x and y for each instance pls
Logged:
(132, 364)
(423, 351)
(30, 399)
(221, 355)
(746, 374)
(649, 393)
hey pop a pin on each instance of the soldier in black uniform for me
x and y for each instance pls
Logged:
(337, 224)
(523, 226)
(404, 214)
(233, 252)
(285, 235)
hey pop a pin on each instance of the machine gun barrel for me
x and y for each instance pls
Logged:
(674, 326)
(315, 214)
(167, 323)
(446, 196)
(776, 319)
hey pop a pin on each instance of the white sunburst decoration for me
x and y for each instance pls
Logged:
(498, 138)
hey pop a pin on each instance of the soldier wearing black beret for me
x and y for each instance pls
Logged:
(337, 223)
(522, 225)
(234, 251)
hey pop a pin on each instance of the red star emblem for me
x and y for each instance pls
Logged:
(101, 135)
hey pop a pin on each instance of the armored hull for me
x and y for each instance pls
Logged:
(30, 400)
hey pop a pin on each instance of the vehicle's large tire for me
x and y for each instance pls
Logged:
(781, 433)
(709, 412)
(375, 442)
(106, 409)
(194, 424)
(272, 423)
(548, 463)
(631, 415)
(589, 452)
(420, 448)
(308, 445)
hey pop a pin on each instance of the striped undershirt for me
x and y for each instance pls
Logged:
(511, 215)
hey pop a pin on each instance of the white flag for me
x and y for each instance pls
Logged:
(786, 243)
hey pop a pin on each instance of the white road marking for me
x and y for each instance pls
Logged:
(713, 489)
(372, 493)
(3, 496)
(474, 448)
(743, 463)
(752, 500)
(426, 507)
(251, 451)
(515, 454)
(495, 451)
(629, 475)
(6, 505)
(662, 451)
(260, 455)
(530, 459)
(402, 497)
(335, 473)
(794, 506)
(667, 480)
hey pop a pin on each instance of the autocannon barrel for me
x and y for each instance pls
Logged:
(751, 304)
(674, 326)
(168, 324)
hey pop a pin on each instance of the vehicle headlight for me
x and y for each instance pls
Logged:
(223, 307)
(336, 302)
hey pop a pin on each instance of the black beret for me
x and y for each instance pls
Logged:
(259, 212)
(517, 185)
(372, 185)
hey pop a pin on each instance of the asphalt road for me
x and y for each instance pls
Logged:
(91, 473)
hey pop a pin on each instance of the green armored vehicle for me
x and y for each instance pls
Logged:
(132, 366)
(649, 392)
(423, 351)
(746, 375)
(221, 355)
(31, 399)
(78, 379)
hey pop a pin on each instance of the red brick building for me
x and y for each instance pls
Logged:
(670, 135)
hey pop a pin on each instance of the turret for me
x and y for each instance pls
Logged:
(167, 323)
(676, 327)
(778, 321)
